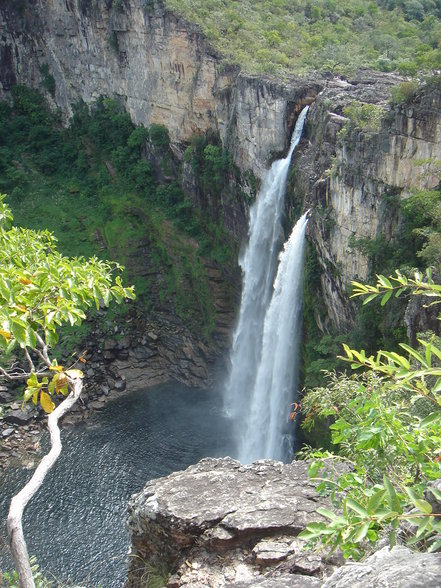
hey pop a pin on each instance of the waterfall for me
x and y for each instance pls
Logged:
(259, 264)
(265, 431)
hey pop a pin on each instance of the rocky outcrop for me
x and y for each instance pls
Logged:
(220, 523)
(390, 568)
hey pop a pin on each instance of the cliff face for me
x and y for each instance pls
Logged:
(163, 71)
(160, 67)
(347, 181)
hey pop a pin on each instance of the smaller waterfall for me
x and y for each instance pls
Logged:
(266, 431)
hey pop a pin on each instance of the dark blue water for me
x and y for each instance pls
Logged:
(76, 524)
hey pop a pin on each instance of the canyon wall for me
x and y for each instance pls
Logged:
(160, 67)
(350, 179)
(163, 71)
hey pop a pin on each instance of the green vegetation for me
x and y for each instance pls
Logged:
(40, 291)
(362, 116)
(103, 187)
(287, 36)
(386, 435)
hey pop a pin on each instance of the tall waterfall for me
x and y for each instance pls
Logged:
(266, 427)
(248, 356)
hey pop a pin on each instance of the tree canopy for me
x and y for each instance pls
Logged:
(306, 35)
(40, 291)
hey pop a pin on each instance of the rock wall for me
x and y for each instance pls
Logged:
(346, 181)
(160, 66)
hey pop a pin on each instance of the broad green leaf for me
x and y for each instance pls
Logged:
(361, 532)
(423, 506)
(375, 500)
(372, 535)
(435, 492)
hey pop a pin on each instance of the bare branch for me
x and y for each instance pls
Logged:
(28, 357)
(43, 352)
(20, 500)
(14, 375)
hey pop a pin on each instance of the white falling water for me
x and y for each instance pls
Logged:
(266, 430)
(258, 264)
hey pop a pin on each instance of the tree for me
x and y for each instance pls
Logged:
(41, 290)
(386, 427)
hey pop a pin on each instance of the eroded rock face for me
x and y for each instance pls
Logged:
(350, 184)
(220, 523)
(160, 66)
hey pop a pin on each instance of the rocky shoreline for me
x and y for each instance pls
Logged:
(121, 356)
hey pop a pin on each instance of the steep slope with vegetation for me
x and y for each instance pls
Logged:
(108, 188)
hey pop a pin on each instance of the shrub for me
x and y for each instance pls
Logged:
(404, 93)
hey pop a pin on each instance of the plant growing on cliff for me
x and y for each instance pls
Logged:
(386, 427)
(40, 290)
(362, 116)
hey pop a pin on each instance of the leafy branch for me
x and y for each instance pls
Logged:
(386, 425)
(41, 290)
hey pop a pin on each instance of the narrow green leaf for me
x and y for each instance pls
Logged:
(431, 418)
(385, 282)
(393, 501)
(327, 513)
(435, 546)
(386, 297)
(357, 507)
(369, 298)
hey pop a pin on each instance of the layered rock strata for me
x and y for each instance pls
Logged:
(160, 66)
(350, 182)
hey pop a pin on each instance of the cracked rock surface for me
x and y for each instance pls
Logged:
(220, 523)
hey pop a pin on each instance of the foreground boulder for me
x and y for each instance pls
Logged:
(220, 523)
